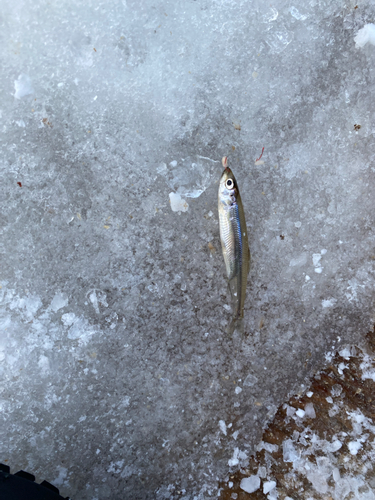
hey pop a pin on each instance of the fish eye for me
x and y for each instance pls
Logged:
(229, 184)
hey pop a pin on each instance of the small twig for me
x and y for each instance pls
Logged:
(261, 154)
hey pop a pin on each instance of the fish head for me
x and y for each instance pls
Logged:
(228, 189)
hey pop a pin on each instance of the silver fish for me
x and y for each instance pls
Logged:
(234, 242)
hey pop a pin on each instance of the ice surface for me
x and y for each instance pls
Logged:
(107, 292)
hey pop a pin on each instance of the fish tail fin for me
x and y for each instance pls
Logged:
(235, 324)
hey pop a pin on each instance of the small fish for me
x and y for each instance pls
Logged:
(234, 243)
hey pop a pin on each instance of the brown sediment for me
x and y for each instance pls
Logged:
(342, 383)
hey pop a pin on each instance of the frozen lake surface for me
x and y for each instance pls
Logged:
(117, 378)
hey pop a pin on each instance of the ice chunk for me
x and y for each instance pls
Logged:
(290, 411)
(290, 454)
(334, 446)
(223, 427)
(354, 447)
(297, 15)
(162, 169)
(341, 368)
(28, 306)
(190, 180)
(333, 411)
(329, 356)
(268, 486)
(250, 380)
(97, 298)
(279, 40)
(346, 353)
(262, 471)
(238, 390)
(271, 16)
(43, 364)
(316, 259)
(178, 204)
(328, 303)
(309, 394)
(237, 456)
(299, 261)
(318, 480)
(80, 329)
(300, 413)
(68, 319)
(336, 390)
(62, 475)
(23, 86)
(271, 448)
(234, 460)
(368, 371)
(59, 301)
(250, 484)
(190, 193)
(365, 35)
(309, 410)
(336, 474)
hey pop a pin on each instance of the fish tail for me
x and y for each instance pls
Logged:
(235, 324)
